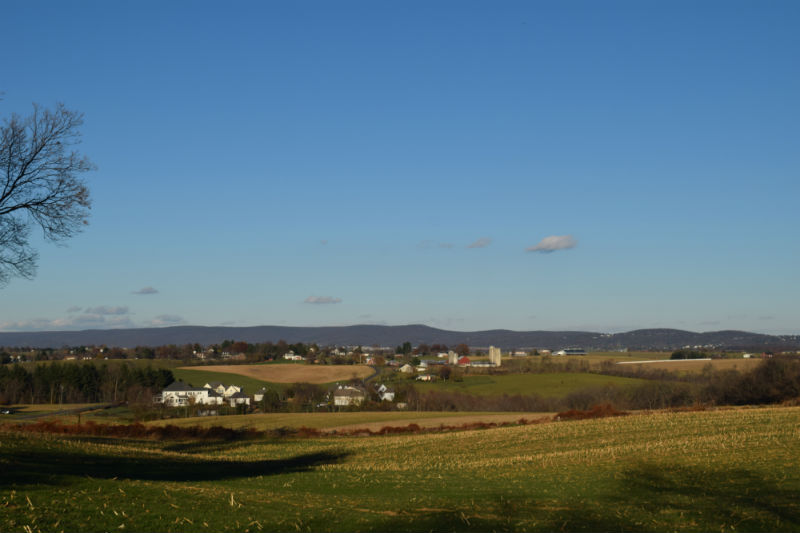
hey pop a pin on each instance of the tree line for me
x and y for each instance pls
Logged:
(81, 383)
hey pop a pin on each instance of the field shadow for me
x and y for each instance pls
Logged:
(50, 467)
(644, 497)
(659, 497)
(738, 498)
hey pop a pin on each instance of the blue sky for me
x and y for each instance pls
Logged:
(335, 163)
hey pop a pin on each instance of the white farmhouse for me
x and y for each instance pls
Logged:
(346, 395)
(179, 394)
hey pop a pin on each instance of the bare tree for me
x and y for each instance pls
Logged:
(40, 185)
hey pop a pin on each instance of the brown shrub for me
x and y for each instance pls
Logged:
(597, 411)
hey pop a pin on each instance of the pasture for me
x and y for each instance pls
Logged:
(195, 376)
(724, 470)
(286, 373)
(553, 385)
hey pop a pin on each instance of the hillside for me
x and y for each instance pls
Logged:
(369, 335)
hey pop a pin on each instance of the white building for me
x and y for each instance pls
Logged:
(385, 393)
(180, 394)
(495, 356)
(346, 395)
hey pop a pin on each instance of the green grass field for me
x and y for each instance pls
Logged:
(198, 378)
(727, 470)
(28, 413)
(555, 385)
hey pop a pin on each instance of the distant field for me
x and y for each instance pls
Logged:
(289, 373)
(598, 357)
(692, 366)
(24, 410)
(96, 412)
(548, 385)
(727, 470)
(372, 420)
(196, 377)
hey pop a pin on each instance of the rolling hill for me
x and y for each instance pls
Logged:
(369, 335)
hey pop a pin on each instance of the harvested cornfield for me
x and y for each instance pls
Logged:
(723, 470)
(291, 373)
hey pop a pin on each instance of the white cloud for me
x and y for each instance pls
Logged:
(74, 322)
(107, 310)
(483, 242)
(322, 300)
(32, 324)
(553, 243)
(146, 290)
(166, 320)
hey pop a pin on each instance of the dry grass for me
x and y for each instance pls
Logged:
(693, 366)
(372, 420)
(445, 420)
(291, 373)
(718, 470)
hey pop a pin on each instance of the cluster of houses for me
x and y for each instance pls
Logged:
(346, 395)
(179, 394)
(214, 393)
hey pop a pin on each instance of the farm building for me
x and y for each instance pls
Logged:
(180, 394)
(464, 361)
(238, 398)
(216, 386)
(407, 369)
(495, 356)
(346, 395)
(385, 393)
(571, 351)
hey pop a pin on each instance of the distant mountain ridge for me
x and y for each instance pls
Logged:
(369, 335)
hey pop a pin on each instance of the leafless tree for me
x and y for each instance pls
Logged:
(40, 185)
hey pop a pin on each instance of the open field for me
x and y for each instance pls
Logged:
(42, 408)
(724, 470)
(599, 357)
(554, 385)
(198, 378)
(290, 373)
(68, 413)
(336, 421)
(695, 366)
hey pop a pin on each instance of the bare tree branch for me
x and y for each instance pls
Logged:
(40, 185)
